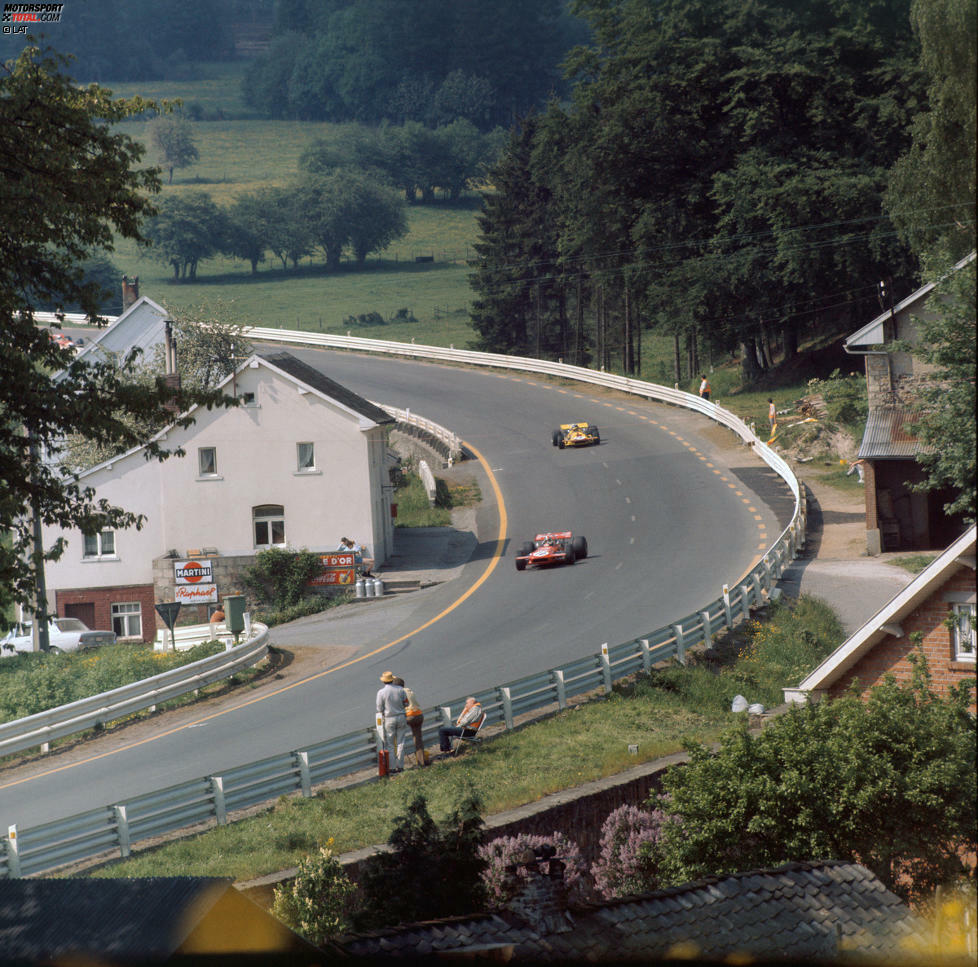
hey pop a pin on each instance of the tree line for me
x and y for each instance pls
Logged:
(349, 198)
(734, 177)
(431, 62)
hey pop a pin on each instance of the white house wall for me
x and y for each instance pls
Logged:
(257, 463)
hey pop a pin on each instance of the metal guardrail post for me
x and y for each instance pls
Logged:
(707, 634)
(122, 830)
(606, 668)
(446, 716)
(507, 706)
(646, 655)
(558, 679)
(747, 599)
(680, 644)
(758, 590)
(727, 611)
(13, 853)
(305, 780)
(217, 791)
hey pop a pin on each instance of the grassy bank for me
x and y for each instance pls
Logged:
(589, 740)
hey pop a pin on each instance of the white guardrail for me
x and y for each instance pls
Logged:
(112, 830)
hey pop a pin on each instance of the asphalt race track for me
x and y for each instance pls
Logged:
(671, 509)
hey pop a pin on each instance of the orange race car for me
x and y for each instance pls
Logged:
(576, 435)
(561, 547)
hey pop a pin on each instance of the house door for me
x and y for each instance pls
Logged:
(84, 612)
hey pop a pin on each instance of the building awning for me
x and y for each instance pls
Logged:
(887, 435)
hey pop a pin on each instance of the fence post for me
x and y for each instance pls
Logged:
(13, 853)
(507, 706)
(680, 644)
(558, 678)
(606, 668)
(747, 600)
(217, 791)
(727, 613)
(122, 829)
(758, 589)
(302, 761)
(646, 655)
(707, 634)
(446, 715)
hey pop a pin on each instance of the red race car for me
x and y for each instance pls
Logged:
(561, 547)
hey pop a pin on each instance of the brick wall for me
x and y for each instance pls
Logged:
(104, 598)
(891, 655)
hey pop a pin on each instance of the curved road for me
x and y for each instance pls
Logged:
(671, 506)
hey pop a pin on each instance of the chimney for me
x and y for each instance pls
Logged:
(130, 291)
(542, 900)
(171, 376)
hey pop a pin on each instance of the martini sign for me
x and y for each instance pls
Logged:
(194, 582)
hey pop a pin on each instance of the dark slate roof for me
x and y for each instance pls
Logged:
(887, 436)
(328, 387)
(800, 910)
(46, 918)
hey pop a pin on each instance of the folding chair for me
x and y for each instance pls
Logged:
(458, 741)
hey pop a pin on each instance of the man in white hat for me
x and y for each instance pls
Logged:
(391, 700)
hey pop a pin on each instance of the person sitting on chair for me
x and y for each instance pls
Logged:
(466, 725)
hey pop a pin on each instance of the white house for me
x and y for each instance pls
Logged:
(301, 463)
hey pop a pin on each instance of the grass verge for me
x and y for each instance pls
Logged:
(587, 741)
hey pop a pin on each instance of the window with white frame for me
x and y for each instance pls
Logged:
(207, 461)
(964, 631)
(269, 520)
(127, 619)
(306, 456)
(100, 545)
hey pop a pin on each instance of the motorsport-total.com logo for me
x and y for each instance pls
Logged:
(18, 18)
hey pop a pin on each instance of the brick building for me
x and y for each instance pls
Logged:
(939, 604)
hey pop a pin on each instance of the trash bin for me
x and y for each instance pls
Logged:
(234, 609)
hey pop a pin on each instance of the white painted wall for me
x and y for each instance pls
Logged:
(257, 463)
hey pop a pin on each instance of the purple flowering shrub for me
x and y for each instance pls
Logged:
(627, 865)
(504, 850)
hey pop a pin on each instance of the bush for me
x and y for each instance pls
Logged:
(280, 577)
(318, 901)
(313, 604)
(627, 862)
(501, 887)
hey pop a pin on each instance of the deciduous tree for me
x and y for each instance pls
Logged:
(888, 782)
(69, 183)
(173, 137)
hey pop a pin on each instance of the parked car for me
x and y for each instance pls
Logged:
(64, 634)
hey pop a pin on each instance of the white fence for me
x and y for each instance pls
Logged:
(113, 829)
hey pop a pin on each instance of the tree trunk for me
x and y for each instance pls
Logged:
(626, 343)
(789, 336)
(677, 358)
(750, 371)
(579, 341)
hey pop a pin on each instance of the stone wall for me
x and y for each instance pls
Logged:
(227, 577)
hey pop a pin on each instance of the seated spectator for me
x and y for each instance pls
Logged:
(466, 725)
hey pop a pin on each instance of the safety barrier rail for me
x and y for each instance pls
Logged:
(112, 830)
(98, 710)
(451, 442)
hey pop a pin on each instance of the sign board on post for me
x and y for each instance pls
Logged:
(193, 572)
(168, 611)
(195, 593)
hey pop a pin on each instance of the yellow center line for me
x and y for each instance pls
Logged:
(497, 555)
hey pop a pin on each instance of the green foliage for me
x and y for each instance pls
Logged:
(845, 398)
(914, 563)
(945, 404)
(71, 184)
(311, 604)
(280, 576)
(318, 900)
(888, 782)
(187, 229)
(441, 859)
(32, 683)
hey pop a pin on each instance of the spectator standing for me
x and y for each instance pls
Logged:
(391, 702)
(772, 415)
(415, 719)
(705, 388)
(466, 725)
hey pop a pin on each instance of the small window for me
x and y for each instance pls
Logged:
(269, 522)
(964, 632)
(99, 545)
(248, 399)
(307, 456)
(127, 620)
(207, 461)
